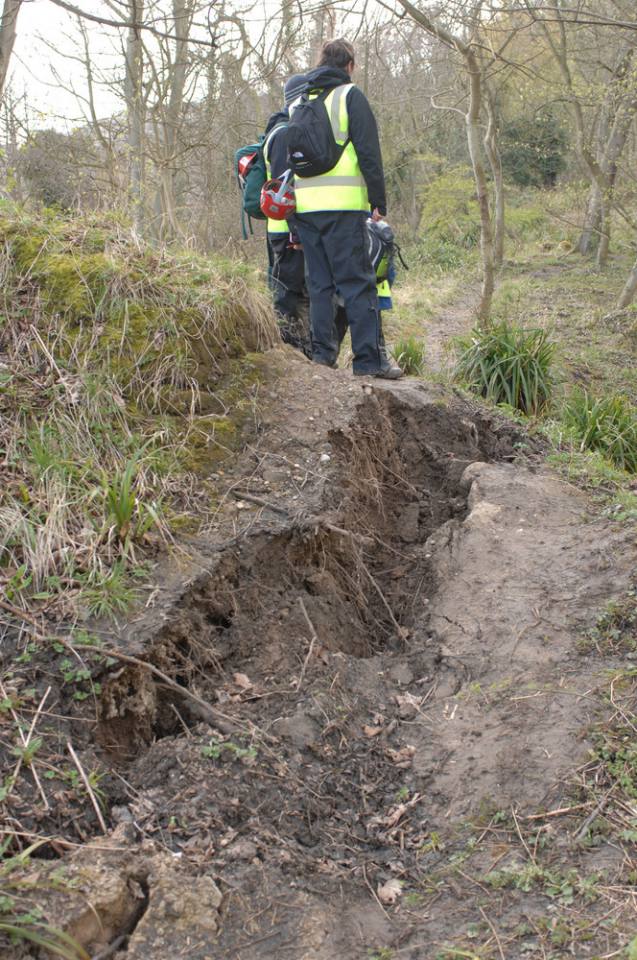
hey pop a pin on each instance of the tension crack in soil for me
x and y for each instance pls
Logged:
(302, 833)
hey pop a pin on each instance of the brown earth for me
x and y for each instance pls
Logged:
(385, 620)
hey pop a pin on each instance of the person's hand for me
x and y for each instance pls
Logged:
(377, 215)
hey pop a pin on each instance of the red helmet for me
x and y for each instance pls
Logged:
(277, 198)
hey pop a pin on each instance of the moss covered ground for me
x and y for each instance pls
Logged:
(126, 375)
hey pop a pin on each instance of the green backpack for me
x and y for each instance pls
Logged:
(250, 170)
(249, 164)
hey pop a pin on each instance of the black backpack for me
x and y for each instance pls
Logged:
(312, 145)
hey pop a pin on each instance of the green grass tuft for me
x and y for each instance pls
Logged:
(21, 924)
(409, 353)
(508, 364)
(607, 425)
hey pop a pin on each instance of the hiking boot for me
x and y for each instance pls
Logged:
(389, 372)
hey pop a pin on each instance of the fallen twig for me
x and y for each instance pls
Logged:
(373, 892)
(126, 658)
(25, 743)
(556, 813)
(89, 789)
(593, 815)
(16, 612)
(494, 932)
(522, 840)
(260, 502)
(308, 521)
(314, 640)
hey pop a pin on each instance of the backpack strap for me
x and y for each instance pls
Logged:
(266, 142)
(340, 135)
(340, 94)
(400, 255)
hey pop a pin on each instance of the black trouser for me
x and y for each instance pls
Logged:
(287, 282)
(340, 322)
(337, 260)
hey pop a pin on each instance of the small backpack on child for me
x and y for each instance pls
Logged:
(383, 249)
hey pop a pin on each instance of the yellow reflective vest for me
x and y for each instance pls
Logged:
(273, 226)
(343, 187)
(383, 289)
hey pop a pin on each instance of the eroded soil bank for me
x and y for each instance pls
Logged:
(386, 622)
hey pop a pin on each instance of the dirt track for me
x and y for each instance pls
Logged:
(386, 620)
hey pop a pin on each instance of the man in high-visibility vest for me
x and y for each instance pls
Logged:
(331, 210)
(286, 261)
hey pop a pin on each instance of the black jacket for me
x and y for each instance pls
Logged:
(277, 148)
(363, 131)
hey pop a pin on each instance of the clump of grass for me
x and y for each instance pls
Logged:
(409, 353)
(606, 424)
(21, 922)
(154, 321)
(109, 353)
(616, 627)
(508, 364)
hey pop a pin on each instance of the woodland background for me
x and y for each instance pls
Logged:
(472, 98)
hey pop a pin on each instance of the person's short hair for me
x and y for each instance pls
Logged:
(336, 53)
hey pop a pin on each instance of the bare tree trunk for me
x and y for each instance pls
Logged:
(590, 227)
(591, 220)
(135, 109)
(604, 229)
(614, 149)
(474, 140)
(630, 288)
(13, 181)
(603, 168)
(482, 189)
(414, 212)
(318, 34)
(106, 142)
(495, 162)
(8, 22)
(166, 203)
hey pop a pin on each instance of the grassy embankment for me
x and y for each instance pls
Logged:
(125, 377)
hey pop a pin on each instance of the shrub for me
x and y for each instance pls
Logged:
(525, 221)
(507, 364)
(409, 353)
(443, 254)
(450, 211)
(607, 424)
(533, 150)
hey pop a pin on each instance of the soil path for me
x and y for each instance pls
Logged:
(451, 321)
(386, 620)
